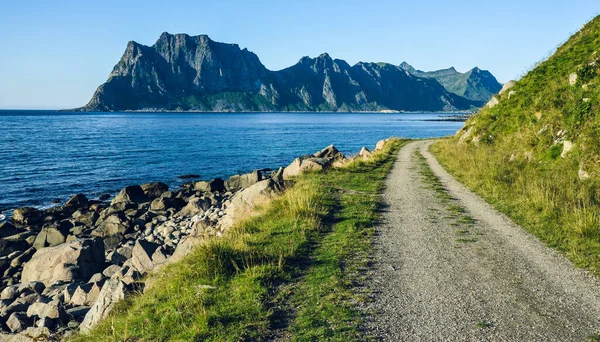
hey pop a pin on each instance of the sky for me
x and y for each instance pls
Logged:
(54, 54)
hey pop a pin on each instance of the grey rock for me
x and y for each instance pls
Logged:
(52, 310)
(7, 229)
(237, 182)
(76, 202)
(142, 255)
(78, 259)
(110, 270)
(78, 312)
(49, 237)
(114, 224)
(196, 205)
(154, 190)
(17, 322)
(112, 292)
(130, 194)
(27, 216)
(215, 185)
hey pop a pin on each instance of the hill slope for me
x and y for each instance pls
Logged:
(475, 84)
(182, 72)
(534, 151)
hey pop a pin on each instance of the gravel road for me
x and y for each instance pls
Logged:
(500, 284)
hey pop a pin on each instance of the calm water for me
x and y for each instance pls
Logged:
(47, 155)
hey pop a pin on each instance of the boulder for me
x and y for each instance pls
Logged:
(573, 78)
(85, 294)
(185, 247)
(76, 202)
(23, 257)
(243, 203)
(567, 147)
(52, 310)
(381, 144)
(142, 255)
(50, 237)
(215, 185)
(196, 205)
(18, 321)
(166, 202)
(20, 304)
(114, 224)
(110, 270)
(329, 152)
(27, 216)
(303, 164)
(9, 245)
(507, 86)
(112, 242)
(492, 102)
(78, 312)
(112, 292)
(7, 229)
(130, 194)
(237, 182)
(87, 219)
(75, 260)
(365, 153)
(154, 190)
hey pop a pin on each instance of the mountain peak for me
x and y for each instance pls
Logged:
(324, 55)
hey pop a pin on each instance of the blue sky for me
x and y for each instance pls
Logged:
(53, 54)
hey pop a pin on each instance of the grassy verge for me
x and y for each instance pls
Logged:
(550, 202)
(455, 212)
(291, 271)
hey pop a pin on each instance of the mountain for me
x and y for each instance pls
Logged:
(181, 72)
(476, 84)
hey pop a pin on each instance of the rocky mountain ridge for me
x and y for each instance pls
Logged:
(476, 84)
(194, 73)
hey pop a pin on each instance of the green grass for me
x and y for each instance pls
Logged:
(294, 270)
(513, 154)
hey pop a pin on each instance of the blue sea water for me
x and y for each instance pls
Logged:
(48, 156)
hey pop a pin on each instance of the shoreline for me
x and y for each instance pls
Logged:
(66, 259)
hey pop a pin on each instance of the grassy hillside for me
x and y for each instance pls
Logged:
(290, 272)
(536, 154)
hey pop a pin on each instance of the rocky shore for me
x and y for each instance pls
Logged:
(64, 268)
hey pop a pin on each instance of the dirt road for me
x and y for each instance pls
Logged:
(449, 267)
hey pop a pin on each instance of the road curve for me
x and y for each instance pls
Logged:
(501, 284)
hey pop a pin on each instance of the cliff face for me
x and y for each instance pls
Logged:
(182, 72)
(476, 84)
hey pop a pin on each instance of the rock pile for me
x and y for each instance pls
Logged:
(65, 267)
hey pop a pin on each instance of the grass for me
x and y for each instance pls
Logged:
(456, 212)
(513, 153)
(294, 270)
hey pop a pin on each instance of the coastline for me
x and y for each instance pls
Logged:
(62, 258)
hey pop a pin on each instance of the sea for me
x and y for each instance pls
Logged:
(48, 156)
